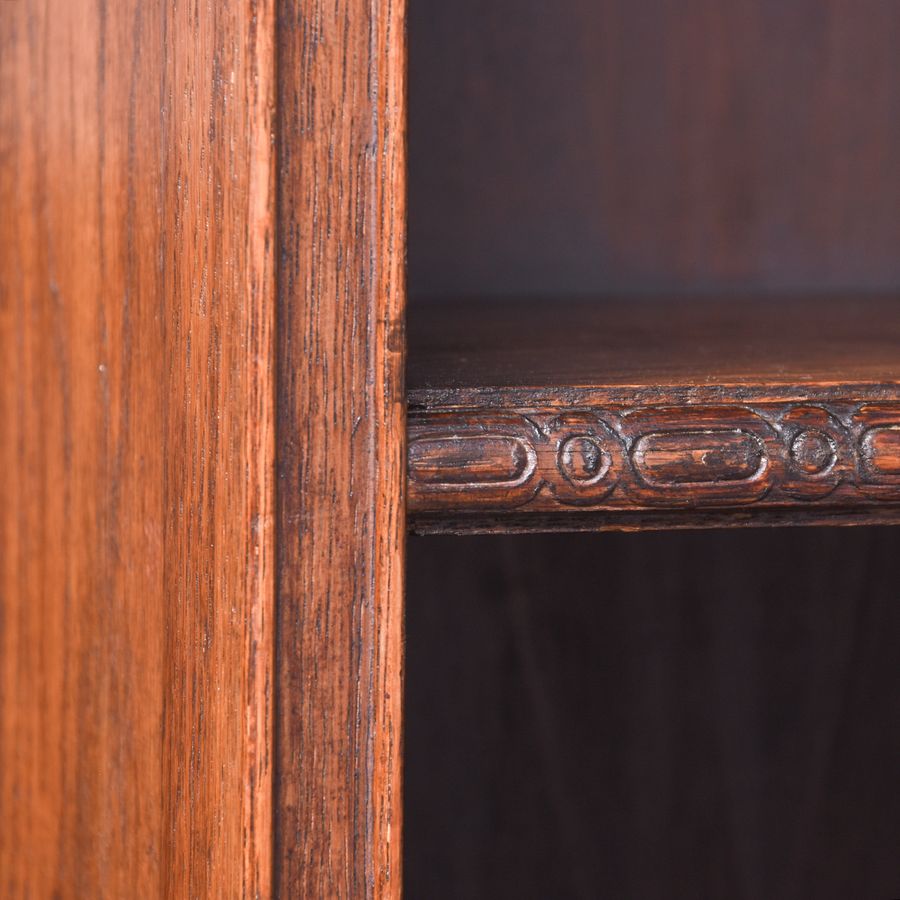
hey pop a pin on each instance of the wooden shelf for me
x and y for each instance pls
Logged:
(636, 412)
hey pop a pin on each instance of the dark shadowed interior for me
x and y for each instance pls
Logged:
(694, 714)
(586, 145)
(689, 714)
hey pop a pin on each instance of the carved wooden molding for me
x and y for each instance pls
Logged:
(766, 455)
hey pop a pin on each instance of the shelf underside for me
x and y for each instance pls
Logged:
(632, 412)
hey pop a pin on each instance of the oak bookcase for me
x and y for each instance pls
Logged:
(651, 257)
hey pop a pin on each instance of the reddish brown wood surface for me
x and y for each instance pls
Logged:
(136, 448)
(481, 349)
(340, 448)
(591, 414)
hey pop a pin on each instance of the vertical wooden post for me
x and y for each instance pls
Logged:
(341, 445)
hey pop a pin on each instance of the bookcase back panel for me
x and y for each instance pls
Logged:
(588, 145)
(681, 714)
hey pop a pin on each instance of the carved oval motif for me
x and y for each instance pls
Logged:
(470, 461)
(699, 457)
(881, 452)
(813, 452)
(819, 454)
(583, 460)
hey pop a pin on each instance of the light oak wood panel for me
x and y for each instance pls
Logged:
(136, 448)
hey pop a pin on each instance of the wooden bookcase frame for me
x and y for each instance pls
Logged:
(341, 449)
(202, 254)
(204, 451)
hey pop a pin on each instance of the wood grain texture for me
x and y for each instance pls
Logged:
(480, 350)
(567, 414)
(341, 447)
(137, 448)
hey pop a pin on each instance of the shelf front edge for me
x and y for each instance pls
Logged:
(678, 459)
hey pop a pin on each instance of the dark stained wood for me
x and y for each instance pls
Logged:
(546, 411)
(597, 145)
(136, 448)
(793, 345)
(675, 715)
(652, 715)
(341, 448)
